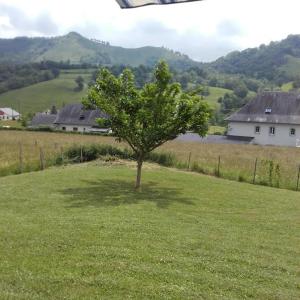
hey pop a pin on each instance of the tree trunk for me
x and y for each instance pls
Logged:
(139, 173)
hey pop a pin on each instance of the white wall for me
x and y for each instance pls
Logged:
(71, 128)
(7, 117)
(281, 137)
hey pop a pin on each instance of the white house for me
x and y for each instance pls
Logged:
(8, 113)
(272, 118)
(72, 117)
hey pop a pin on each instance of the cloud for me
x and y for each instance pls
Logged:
(22, 24)
(229, 28)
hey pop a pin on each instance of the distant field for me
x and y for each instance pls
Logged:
(43, 95)
(215, 94)
(287, 87)
(82, 232)
(237, 161)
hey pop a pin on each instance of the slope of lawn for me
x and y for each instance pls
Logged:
(81, 232)
(43, 95)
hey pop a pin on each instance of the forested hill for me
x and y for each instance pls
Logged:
(278, 61)
(78, 50)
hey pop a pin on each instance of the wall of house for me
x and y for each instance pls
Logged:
(282, 136)
(79, 128)
(7, 117)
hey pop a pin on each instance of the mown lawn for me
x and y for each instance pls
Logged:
(81, 232)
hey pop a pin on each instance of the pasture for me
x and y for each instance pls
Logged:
(43, 95)
(81, 232)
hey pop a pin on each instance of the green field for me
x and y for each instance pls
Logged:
(81, 232)
(42, 96)
(215, 94)
(287, 87)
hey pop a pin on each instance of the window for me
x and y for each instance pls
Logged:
(64, 128)
(257, 129)
(272, 130)
(75, 128)
(268, 111)
(292, 131)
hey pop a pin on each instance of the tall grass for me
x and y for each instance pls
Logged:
(276, 166)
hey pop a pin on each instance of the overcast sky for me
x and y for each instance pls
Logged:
(204, 30)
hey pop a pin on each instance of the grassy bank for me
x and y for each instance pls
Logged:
(81, 232)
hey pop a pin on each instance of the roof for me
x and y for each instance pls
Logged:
(75, 114)
(42, 119)
(9, 111)
(270, 107)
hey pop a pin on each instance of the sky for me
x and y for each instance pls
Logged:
(204, 30)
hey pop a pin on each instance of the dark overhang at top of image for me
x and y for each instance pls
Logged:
(138, 3)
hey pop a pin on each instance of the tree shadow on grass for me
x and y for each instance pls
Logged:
(118, 192)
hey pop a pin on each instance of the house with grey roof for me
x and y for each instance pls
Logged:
(43, 120)
(272, 118)
(72, 117)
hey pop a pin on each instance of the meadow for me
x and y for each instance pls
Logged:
(82, 232)
(276, 166)
(41, 96)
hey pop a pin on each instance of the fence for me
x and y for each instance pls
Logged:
(260, 171)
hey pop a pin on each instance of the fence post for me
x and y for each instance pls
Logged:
(62, 155)
(254, 173)
(219, 165)
(81, 154)
(42, 159)
(21, 157)
(189, 160)
(298, 179)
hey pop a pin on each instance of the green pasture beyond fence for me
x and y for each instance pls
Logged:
(257, 171)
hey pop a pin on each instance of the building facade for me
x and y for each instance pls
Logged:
(272, 118)
(72, 117)
(8, 113)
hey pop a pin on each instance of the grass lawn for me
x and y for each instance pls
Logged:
(81, 232)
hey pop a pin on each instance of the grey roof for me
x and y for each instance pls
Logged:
(76, 114)
(42, 119)
(283, 108)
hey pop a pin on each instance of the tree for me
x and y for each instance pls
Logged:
(79, 80)
(151, 116)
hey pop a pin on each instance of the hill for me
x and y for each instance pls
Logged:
(41, 96)
(84, 233)
(78, 50)
(278, 61)
(61, 90)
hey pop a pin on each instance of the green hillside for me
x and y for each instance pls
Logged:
(215, 94)
(82, 232)
(278, 61)
(77, 50)
(59, 91)
(41, 96)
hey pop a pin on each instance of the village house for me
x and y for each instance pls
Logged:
(272, 118)
(8, 113)
(72, 117)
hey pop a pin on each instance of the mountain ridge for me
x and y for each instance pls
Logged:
(77, 49)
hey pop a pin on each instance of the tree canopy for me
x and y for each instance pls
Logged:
(148, 117)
